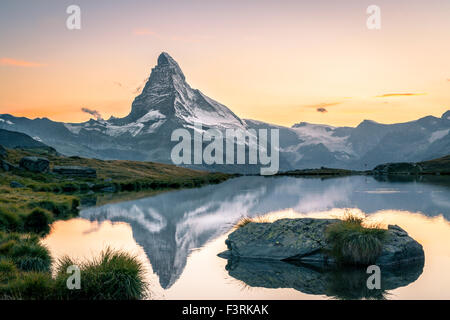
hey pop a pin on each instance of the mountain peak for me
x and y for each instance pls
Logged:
(165, 61)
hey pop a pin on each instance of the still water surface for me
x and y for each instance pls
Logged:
(178, 235)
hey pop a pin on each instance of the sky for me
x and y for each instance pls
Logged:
(281, 61)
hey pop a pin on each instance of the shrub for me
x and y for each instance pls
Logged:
(26, 252)
(115, 275)
(9, 221)
(353, 243)
(7, 270)
(29, 286)
(38, 221)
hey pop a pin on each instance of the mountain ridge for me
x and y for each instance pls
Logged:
(167, 102)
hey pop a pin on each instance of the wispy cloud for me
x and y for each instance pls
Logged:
(408, 94)
(19, 63)
(322, 107)
(94, 113)
(144, 32)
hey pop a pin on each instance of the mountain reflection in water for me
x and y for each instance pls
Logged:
(170, 225)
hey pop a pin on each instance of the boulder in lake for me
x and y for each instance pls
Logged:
(35, 164)
(75, 171)
(304, 240)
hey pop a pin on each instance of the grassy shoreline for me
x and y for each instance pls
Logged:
(31, 202)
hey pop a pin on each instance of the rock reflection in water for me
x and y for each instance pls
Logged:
(343, 283)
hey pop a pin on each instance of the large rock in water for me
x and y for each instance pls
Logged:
(75, 171)
(304, 240)
(35, 164)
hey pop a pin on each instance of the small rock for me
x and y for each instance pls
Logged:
(75, 171)
(15, 184)
(35, 164)
(111, 189)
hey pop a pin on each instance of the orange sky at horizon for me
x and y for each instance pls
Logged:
(281, 64)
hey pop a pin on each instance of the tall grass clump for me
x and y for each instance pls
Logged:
(115, 275)
(9, 221)
(28, 286)
(38, 221)
(25, 252)
(354, 243)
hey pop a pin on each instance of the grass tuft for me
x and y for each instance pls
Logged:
(115, 275)
(246, 220)
(354, 242)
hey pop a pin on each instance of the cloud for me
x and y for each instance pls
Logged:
(19, 63)
(322, 107)
(144, 32)
(387, 95)
(95, 113)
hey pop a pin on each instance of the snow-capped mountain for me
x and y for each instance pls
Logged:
(167, 102)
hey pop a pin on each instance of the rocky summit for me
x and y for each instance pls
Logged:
(304, 240)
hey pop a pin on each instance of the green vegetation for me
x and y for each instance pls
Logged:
(22, 210)
(115, 175)
(114, 275)
(353, 242)
(26, 214)
(25, 273)
(24, 251)
(47, 197)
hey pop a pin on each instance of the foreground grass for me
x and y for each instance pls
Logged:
(23, 210)
(25, 273)
(355, 243)
(115, 275)
(26, 214)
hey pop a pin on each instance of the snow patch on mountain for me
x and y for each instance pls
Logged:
(6, 121)
(313, 134)
(438, 135)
